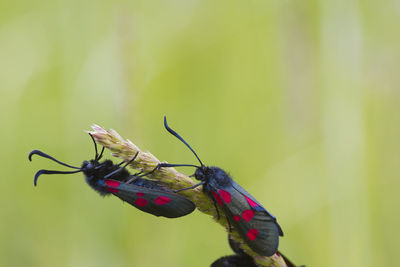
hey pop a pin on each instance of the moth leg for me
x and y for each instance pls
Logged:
(156, 168)
(134, 177)
(120, 169)
(190, 187)
(229, 223)
(216, 208)
(167, 165)
(153, 170)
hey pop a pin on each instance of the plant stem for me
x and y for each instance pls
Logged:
(174, 180)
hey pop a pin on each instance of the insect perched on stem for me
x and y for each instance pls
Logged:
(254, 223)
(241, 258)
(108, 178)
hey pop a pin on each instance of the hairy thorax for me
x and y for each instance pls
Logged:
(213, 176)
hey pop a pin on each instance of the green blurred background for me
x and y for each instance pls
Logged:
(299, 100)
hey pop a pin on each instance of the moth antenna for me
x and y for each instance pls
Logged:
(101, 153)
(96, 157)
(50, 172)
(180, 138)
(44, 155)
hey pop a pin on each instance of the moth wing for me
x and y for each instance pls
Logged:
(256, 206)
(153, 201)
(234, 260)
(256, 226)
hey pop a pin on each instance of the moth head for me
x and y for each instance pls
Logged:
(87, 166)
(202, 173)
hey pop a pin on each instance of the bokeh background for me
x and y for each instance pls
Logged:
(299, 100)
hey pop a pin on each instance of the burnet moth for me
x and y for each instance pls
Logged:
(108, 178)
(241, 258)
(234, 261)
(253, 222)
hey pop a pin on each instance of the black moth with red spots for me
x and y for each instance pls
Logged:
(241, 258)
(108, 178)
(254, 223)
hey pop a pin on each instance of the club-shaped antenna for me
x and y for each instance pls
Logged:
(44, 155)
(180, 138)
(96, 156)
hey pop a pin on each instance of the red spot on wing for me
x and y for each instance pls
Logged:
(161, 200)
(217, 198)
(140, 194)
(236, 217)
(251, 202)
(247, 215)
(141, 202)
(226, 197)
(252, 234)
(113, 184)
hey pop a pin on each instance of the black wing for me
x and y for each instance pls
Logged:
(255, 205)
(239, 252)
(234, 261)
(153, 201)
(255, 224)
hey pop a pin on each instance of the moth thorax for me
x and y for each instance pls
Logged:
(218, 176)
